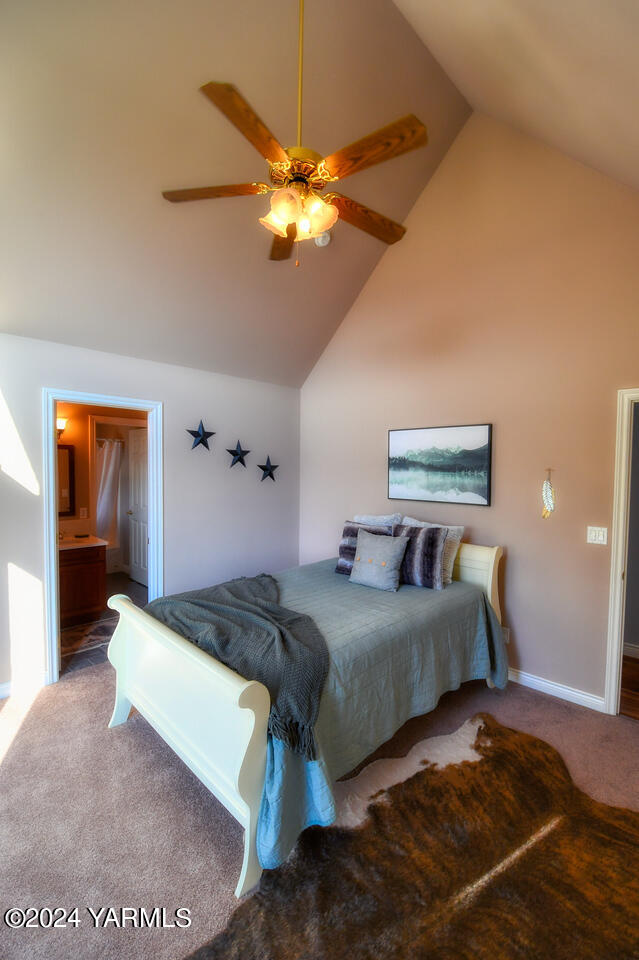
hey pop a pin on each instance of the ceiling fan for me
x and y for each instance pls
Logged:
(298, 174)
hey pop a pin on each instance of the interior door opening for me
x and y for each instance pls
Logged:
(102, 524)
(629, 701)
(103, 494)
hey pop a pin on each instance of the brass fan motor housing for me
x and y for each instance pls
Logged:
(303, 166)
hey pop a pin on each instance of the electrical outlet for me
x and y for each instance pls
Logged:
(597, 535)
(84, 513)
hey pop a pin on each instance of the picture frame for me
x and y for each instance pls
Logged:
(450, 464)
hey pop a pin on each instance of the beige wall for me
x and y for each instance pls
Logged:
(513, 299)
(101, 106)
(218, 522)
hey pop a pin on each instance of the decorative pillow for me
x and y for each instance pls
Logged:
(382, 519)
(423, 564)
(349, 542)
(378, 560)
(453, 539)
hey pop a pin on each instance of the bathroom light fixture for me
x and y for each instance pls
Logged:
(61, 423)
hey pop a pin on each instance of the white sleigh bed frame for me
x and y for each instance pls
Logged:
(213, 718)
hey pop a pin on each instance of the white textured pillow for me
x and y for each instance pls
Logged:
(453, 539)
(382, 519)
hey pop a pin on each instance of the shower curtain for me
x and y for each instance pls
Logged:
(108, 470)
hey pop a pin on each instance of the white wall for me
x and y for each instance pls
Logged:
(218, 522)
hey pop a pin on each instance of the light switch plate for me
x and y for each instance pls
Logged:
(84, 513)
(597, 535)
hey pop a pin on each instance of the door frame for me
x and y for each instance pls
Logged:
(154, 410)
(619, 548)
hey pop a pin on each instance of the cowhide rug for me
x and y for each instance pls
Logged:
(484, 849)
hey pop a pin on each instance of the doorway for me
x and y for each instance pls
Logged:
(103, 530)
(102, 527)
(622, 661)
(629, 701)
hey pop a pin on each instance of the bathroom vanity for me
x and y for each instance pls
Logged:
(82, 565)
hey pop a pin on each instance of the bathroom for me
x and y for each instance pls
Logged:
(102, 523)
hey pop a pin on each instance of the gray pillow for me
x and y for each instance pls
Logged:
(423, 561)
(378, 560)
(348, 543)
(383, 519)
(453, 539)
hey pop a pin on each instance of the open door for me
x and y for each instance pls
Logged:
(138, 511)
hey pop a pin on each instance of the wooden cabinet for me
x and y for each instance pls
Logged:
(82, 584)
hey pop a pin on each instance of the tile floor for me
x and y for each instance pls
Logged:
(85, 644)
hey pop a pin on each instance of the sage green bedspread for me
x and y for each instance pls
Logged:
(392, 655)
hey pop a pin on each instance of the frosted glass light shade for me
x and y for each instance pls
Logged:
(286, 204)
(274, 224)
(303, 227)
(317, 217)
(323, 218)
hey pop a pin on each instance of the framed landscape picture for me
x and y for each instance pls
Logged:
(443, 464)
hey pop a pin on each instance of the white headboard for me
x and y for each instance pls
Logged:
(480, 565)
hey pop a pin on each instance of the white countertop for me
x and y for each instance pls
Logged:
(72, 543)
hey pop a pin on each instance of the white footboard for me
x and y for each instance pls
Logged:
(210, 716)
(214, 719)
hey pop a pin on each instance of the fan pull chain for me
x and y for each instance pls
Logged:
(300, 68)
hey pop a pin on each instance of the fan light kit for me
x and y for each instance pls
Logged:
(298, 175)
(311, 214)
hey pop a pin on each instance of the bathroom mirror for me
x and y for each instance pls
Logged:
(66, 480)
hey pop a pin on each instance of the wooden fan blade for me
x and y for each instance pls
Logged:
(366, 219)
(210, 193)
(235, 108)
(282, 247)
(391, 141)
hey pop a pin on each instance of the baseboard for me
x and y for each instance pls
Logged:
(557, 690)
(631, 650)
(5, 690)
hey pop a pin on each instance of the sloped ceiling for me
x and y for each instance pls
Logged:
(100, 110)
(564, 71)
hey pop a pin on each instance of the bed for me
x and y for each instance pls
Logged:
(392, 656)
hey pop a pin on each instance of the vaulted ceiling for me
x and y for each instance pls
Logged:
(101, 112)
(564, 71)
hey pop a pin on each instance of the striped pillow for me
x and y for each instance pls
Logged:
(423, 564)
(348, 543)
(453, 540)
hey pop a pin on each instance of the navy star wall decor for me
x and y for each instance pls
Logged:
(201, 436)
(268, 469)
(238, 454)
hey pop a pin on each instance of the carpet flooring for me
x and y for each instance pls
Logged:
(92, 817)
